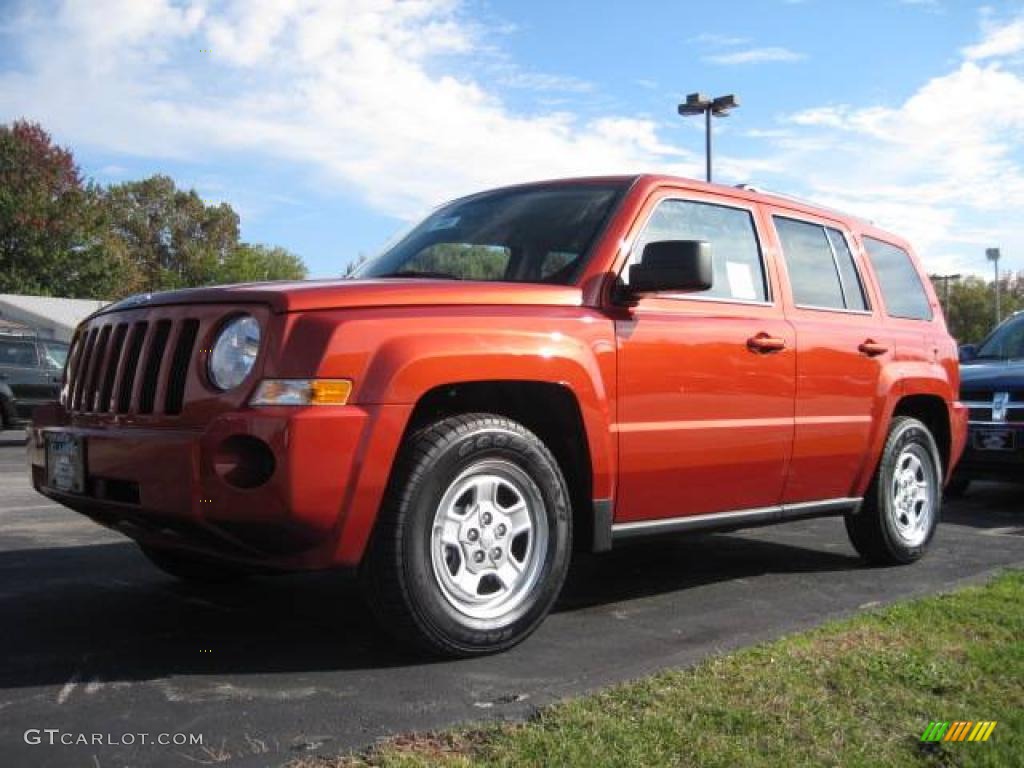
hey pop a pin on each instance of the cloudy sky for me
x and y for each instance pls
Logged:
(329, 123)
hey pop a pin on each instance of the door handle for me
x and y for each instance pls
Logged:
(765, 343)
(872, 348)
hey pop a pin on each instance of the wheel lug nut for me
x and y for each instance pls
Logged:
(486, 518)
(501, 529)
(473, 534)
(478, 556)
(496, 553)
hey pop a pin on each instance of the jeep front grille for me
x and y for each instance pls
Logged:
(124, 367)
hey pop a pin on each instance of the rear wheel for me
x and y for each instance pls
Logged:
(473, 541)
(900, 512)
(193, 569)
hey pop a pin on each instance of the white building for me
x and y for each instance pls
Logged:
(48, 316)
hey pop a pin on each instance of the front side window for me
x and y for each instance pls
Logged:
(902, 289)
(18, 353)
(527, 234)
(736, 255)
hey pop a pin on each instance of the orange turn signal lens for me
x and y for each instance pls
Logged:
(302, 392)
(330, 391)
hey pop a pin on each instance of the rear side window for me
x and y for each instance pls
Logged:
(812, 270)
(735, 252)
(853, 288)
(902, 289)
(821, 268)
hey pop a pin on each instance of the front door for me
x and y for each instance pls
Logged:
(706, 380)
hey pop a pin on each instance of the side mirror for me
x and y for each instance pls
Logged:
(968, 352)
(673, 266)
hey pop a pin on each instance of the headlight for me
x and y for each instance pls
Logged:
(234, 352)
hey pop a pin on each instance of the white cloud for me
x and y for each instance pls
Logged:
(755, 56)
(375, 96)
(1001, 40)
(944, 168)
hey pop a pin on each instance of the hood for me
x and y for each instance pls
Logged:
(997, 375)
(334, 294)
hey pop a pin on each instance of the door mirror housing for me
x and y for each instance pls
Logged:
(673, 266)
(968, 352)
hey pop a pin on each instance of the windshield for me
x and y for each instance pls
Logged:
(56, 353)
(522, 235)
(1006, 341)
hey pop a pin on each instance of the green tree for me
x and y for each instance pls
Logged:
(251, 263)
(53, 224)
(172, 238)
(970, 304)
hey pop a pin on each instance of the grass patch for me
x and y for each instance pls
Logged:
(857, 692)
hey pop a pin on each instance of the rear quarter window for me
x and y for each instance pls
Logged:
(903, 292)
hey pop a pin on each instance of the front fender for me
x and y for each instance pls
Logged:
(396, 356)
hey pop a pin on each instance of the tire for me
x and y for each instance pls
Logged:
(901, 509)
(957, 487)
(474, 538)
(192, 569)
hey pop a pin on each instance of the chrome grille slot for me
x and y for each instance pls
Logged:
(109, 375)
(99, 355)
(83, 370)
(179, 366)
(154, 359)
(131, 363)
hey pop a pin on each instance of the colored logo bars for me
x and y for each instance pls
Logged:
(961, 730)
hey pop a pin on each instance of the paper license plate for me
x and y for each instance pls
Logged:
(65, 463)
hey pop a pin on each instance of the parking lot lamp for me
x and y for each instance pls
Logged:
(699, 104)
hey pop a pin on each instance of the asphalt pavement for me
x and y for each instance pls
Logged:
(94, 640)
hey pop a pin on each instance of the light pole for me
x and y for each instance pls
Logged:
(699, 104)
(992, 254)
(945, 289)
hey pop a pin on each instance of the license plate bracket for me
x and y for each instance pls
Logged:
(65, 462)
(994, 440)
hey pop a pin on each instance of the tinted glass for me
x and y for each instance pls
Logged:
(902, 289)
(853, 288)
(812, 270)
(18, 353)
(1006, 342)
(468, 261)
(55, 353)
(506, 235)
(735, 253)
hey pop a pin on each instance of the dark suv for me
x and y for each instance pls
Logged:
(30, 375)
(992, 386)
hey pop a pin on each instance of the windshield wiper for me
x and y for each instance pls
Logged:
(427, 275)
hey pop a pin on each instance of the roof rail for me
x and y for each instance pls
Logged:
(801, 200)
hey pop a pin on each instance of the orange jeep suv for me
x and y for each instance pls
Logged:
(531, 369)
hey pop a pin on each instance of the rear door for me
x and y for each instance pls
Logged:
(705, 380)
(841, 348)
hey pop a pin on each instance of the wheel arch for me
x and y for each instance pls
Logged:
(550, 410)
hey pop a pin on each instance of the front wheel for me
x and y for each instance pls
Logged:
(900, 512)
(473, 542)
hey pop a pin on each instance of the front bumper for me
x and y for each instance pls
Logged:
(164, 488)
(1006, 465)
